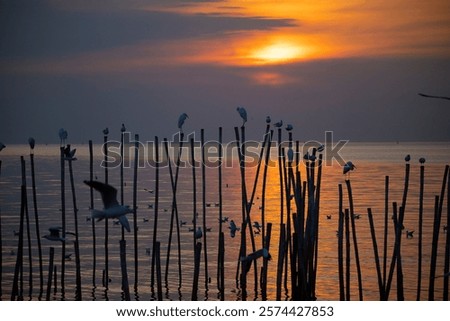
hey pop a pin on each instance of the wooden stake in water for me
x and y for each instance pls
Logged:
(386, 227)
(135, 229)
(158, 270)
(123, 266)
(197, 256)
(156, 211)
(105, 165)
(91, 206)
(221, 246)
(16, 292)
(63, 219)
(205, 248)
(27, 221)
(375, 251)
(50, 273)
(340, 246)
(1, 244)
(36, 218)
(419, 250)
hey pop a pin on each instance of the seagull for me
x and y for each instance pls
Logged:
(243, 113)
(106, 131)
(409, 234)
(257, 225)
(198, 233)
(54, 234)
(289, 127)
(349, 166)
(321, 148)
(148, 190)
(233, 228)
(123, 129)
(69, 154)
(328, 217)
(182, 223)
(224, 219)
(112, 208)
(68, 257)
(407, 158)
(278, 124)
(254, 256)
(32, 142)
(181, 120)
(422, 160)
(268, 120)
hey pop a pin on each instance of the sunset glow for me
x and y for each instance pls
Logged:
(278, 53)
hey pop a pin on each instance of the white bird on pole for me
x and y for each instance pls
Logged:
(243, 113)
(181, 120)
(247, 260)
(112, 208)
(349, 166)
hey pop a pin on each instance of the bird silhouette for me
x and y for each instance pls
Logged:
(278, 124)
(432, 96)
(123, 128)
(268, 120)
(243, 113)
(54, 234)
(248, 260)
(349, 166)
(31, 142)
(2, 146)
(407, 158)
(181, 120)
(198, 233)
(409, 234)
(422, 160)
(289, 127)
(112, 208)
(106, 131)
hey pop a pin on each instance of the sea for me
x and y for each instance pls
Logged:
(206, 192)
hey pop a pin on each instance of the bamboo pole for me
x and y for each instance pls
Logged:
(419, 250)
(347, 254)
(386, 227)
(156, 211)
(123, 266)
(203, 168)
(436, 230)
(355, 241)
(375, 252)
(27, 222)
(447, 248)
(135, 229)
(36, 218)
(158, 271)
(340, 246)
(50, 273)
(106, 269)
(197, 256)
(91, 206)
(16, 292)
(265, 266)
(63, 219)
(221, 246)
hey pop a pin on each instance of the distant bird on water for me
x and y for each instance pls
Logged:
(409, 234)
(431, 96)
(112, 208)
(181, 120)
(349, 166)
(243, 113)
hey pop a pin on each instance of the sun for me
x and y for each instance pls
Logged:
(277, 53)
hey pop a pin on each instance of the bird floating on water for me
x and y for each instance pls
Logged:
(243, 113)
(112, 208)
(181, 120)
(349, 166)
(257, 225)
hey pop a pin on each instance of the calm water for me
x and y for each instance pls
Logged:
(373, 160)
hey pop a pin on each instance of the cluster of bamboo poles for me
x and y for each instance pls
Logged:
(385, 270)
(297, 261)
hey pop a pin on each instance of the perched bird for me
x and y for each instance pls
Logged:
(321, 148)
(233, 228)
(422, 160)
(69, 154)
(409, 234)
(349, 166)
(31, 142)
(112, 208)
(54, 234)
(2, 146)
(268, 120)
(278, 124)
(243, 113)
(106, 131)
(407, 158)
(289, 127)
(123, 129)
(62, 135)
(181, 120)
(198, 233)
(247, 260)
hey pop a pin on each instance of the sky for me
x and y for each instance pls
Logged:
(352, 67)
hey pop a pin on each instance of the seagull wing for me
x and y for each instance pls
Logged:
(108, 192)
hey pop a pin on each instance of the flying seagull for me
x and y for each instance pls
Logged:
(233, 228)
(112, 208)
(54, 234)
(181, 120)
(431, 96)
(243, 113)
